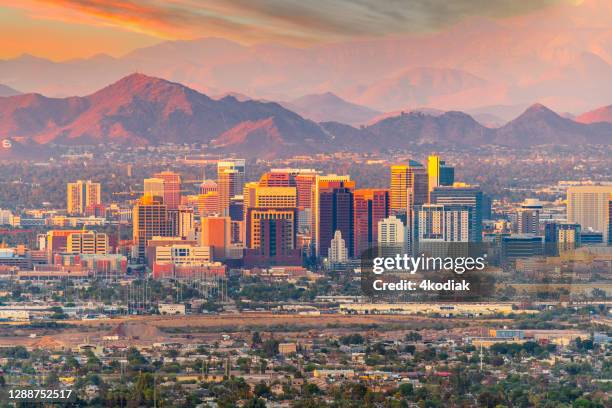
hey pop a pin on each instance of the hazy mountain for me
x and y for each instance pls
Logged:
(540, 125)
(451, 128)
(7, 91)
(414, 87)
(140, 110)
(562, 60)
(603, 114)
(328, 107)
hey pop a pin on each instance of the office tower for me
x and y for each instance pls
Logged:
(181, 221)
(408, 186)
(392, 236)
(87, 242)
(521, 246)
(150, 219)
(80, 195)
(238, 165)
(55, 241)
(528, 217)
(154, 187)
(439, 173)
(172, 188)
(249, 192)
(208, 204)
(236, 208)
(337, 250)
(275, 197)
(255, 217)
(270, 203)
(590, 237)
(486, 207)
(610, 220)
(228, 179)
(561, 236)
(208, 186)
(216, 234)
(370, 207)
(333, 210)
(462, 195)
(588, 206)
(444, 223)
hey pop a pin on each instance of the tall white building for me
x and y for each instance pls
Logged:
(588, 206)
(337, 251)
(391, 232)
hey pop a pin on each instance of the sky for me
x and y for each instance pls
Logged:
(67, 29)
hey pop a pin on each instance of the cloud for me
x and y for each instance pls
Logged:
(289, 21)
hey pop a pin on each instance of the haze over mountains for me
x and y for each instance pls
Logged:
(562, 60)
(143, 110)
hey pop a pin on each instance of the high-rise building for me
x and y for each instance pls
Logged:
(337, 250)
(208, 204)
(521, 246)
(227, 182)
(333, 211)
(154, 187)
(588, 206)
(561, 237)
(439, 173)
(528, 217)
(392, 234)
(610, 220)
(326, 183)
(444, 223)
(150, 219)
(87, 242)
(181, 222)
(208, 186)
(258, 215)
(80, 195)
(370, 207)
(172, 188)
(238, 165)
(409, 186)
(216, 234)
(462, 195)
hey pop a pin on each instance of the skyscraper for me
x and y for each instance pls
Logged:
(439, 173)
(408, 186)
(239, 165)
(271, 203)
(154, 187)
(528, 217)
(444, 223)
(150, 219)
(87, 242)
(228, 181)
(216, 234)
(80, 195)
(181, 222)
(335, 212)
(463, 195)
(325, 183)
(370, 207)
(172, 188)
(588, 206)
(610, 220)
(392, 236)
(337, 249)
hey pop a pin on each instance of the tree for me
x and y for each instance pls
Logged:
(262, 390)
(255, 402)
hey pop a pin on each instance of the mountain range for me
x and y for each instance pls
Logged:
(564, 60)
(143, 110)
